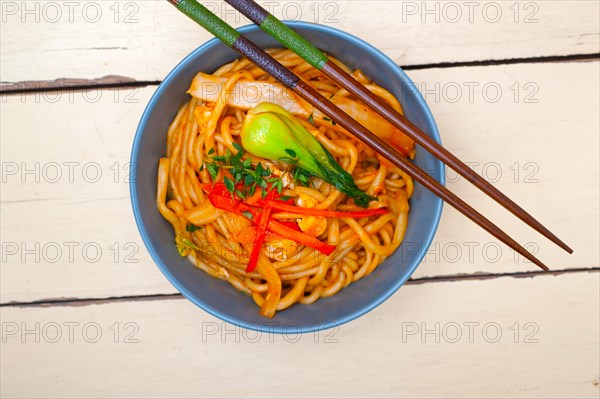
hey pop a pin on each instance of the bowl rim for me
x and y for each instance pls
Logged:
(279, 328)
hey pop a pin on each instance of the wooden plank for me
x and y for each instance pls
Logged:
(68, 202)
(143, 40)
(504, 337)
(554, 142)
(525, 128)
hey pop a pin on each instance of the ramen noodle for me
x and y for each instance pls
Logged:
(305, 237)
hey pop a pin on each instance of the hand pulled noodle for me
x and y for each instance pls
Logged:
(208, 127)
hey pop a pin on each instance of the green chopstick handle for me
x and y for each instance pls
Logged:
(209, 21)
(232, 38)
(284, 34)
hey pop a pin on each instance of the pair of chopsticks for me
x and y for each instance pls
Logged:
(249, 8)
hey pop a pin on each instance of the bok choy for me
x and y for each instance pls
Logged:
(269, 131)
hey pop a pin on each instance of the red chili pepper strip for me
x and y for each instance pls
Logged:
(254, 200)
(325, 213)
(217, 188)
(263, 223)
(227, 204)
(235, 206)
(291, 225)
(248, 234)
(300, 238)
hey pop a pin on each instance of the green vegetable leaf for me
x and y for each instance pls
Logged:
(238, 175)
(278, 186)
(192, 227)
(247, 214)
(262, 171)
(238, 147)
(259, 169)
(249, 180)
(329, 120)
(185, 246)
(236, 159)
(301, 176)
(243, 173)
(291, 152)
(311, 118)
(213, 170)
(229, 184)
(291, 161)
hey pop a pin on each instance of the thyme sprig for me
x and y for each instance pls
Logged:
(244, 178)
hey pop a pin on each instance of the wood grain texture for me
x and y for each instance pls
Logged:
(91, 39)
(52, 229)
(526, 341)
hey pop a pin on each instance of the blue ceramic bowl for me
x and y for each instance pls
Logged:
(218, 297)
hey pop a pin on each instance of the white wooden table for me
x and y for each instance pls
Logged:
(514, 87)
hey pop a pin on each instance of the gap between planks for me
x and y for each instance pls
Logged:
(416, 281)
(117, 82)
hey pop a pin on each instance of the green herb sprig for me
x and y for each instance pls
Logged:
(247, 178)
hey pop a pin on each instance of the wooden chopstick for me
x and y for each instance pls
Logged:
(317, 59)
(236, 41)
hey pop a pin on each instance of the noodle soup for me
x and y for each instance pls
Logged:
(218, 296)
(205, 153)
